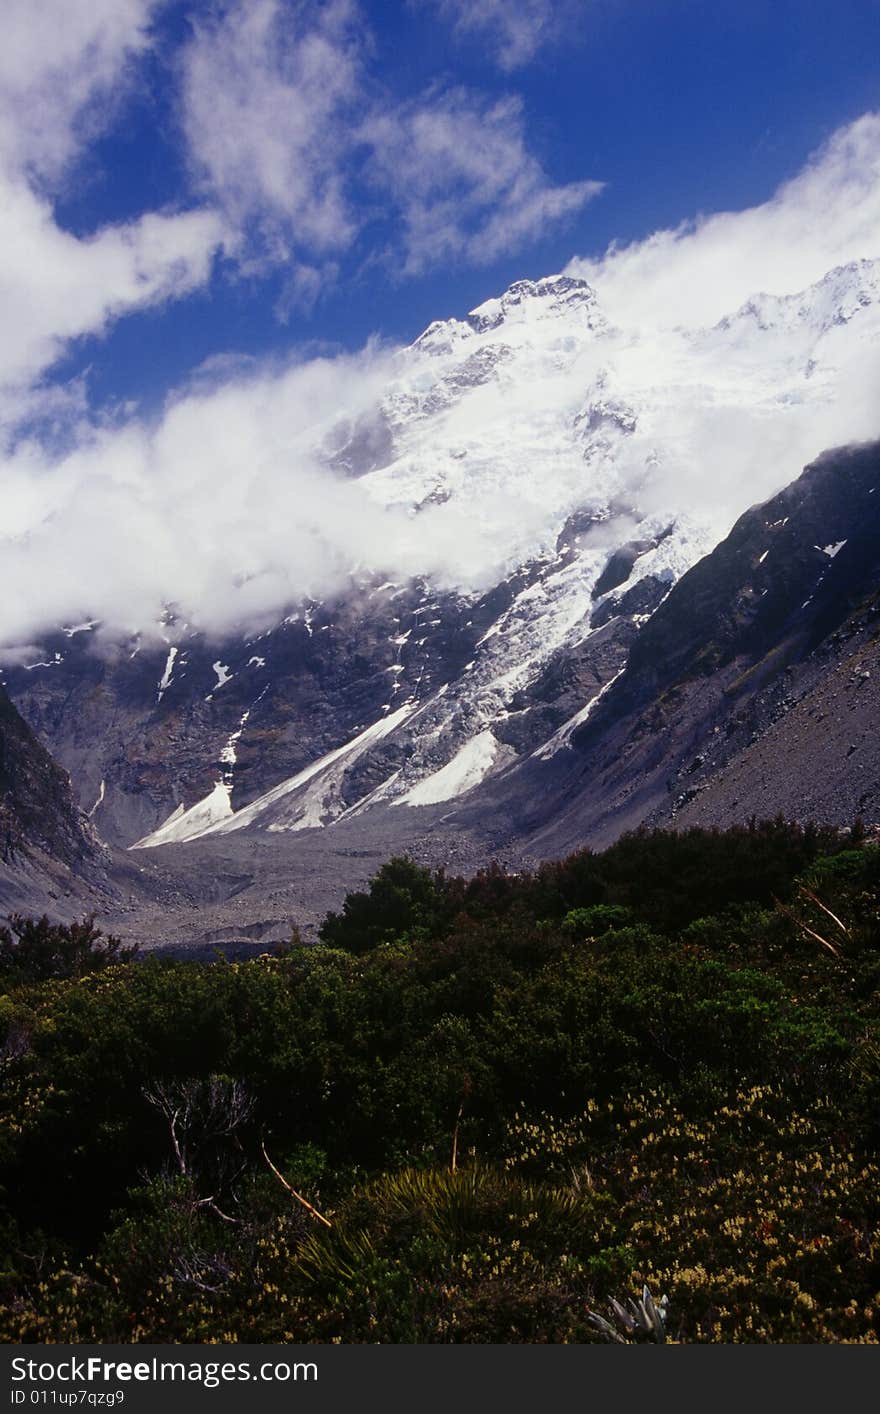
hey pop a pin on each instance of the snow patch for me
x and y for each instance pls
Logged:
(227, 755)
(51, 663)
(190, 824)
(223, 677)
(467, 769)
(165, 680)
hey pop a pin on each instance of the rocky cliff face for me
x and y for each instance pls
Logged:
(48, 851)
(754, 687)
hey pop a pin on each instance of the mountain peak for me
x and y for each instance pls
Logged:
(833, 300)
(534, 299)
(524, 302)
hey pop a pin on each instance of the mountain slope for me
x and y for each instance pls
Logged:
(560, 476)
(753, 689)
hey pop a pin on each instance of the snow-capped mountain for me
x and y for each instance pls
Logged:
(558, 475)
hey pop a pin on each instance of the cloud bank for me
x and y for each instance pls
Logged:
(225, 505)
(224, 509)
(825, 216)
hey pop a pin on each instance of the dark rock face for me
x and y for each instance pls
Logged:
(637, 603)
(50, 858)
(137, 749)
(785, 576)
(36, 804)
(753, 687)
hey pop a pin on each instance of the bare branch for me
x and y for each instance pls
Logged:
(808, 893)
(454, 1163)
(292, 1191)
(806, 929)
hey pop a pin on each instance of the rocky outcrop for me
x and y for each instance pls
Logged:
(753, 688)
(49, 853)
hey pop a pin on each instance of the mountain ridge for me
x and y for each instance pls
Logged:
(407, 699)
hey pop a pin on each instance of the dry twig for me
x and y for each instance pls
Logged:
(806, 929)
(808, 893)
(292, 1191)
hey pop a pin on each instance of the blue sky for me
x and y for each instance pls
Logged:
(675, 106)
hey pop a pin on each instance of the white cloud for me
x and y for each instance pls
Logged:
(267, 95)
(225, 507)
(466, 186)
(62, 63)
(516, 29)
(283, 122)
(55, 287)
(60, 80)
(825, 216)
(221, 507)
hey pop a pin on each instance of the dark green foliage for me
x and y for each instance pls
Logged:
(598, 1049)
(403, 902)
(592, 922)
(34, 950)
(669, 878)
(662, 877)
